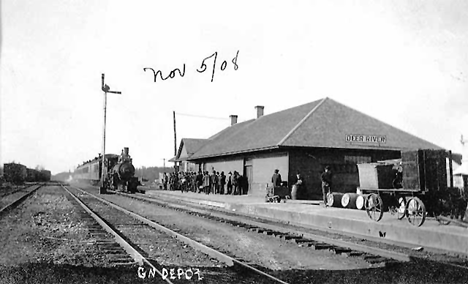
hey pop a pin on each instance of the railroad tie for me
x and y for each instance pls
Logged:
(320, 246)
(340, 250)
(352, 253)
(302, 240)
(253, 229)
(293, 239)
(373, 259)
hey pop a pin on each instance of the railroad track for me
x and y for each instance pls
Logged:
(13, 199)
(373, 255)
(112, 218)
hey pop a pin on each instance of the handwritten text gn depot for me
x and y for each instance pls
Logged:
(208, 64)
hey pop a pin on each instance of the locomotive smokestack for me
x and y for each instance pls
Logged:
(126, 151)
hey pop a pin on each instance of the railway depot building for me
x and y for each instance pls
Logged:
(302, 139)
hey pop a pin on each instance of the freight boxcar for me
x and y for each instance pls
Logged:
(32, 175)
(15, 173)
(44, 175)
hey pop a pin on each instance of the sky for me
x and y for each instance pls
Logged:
(403, 62)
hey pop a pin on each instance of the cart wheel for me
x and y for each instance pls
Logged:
(278, 199)
(416, 212)
(401, 210)
(374, 207)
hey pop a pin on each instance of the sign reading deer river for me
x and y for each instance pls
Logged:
(366, 138)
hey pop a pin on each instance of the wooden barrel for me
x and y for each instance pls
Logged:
(334, 199)
(360, 200)
(349, 200)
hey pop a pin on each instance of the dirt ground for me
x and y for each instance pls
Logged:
(44, 241)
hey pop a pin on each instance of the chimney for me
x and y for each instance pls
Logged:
(259, 111)
(233, 119)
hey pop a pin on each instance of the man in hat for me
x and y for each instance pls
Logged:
(298, 187)
(276, 178)
(229, 183)
(326, 183)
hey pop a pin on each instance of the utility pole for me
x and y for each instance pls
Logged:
(164, 163)
(106, 89)
(175, 135)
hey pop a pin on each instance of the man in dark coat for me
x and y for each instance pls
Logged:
(326, 183)
(276, 178)
(199, 179)
(214, 182)
(165, 180)
(222, 182)
(298, 189)
(229, 183)
(235, 183)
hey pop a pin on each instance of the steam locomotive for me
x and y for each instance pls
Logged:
(119, 172)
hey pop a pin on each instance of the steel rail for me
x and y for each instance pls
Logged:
(230, 261)
(19, 200)
(18, 189)
(140, 259)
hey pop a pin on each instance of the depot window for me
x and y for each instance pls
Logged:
(357, 159)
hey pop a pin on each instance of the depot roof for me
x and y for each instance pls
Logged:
(187, 147)
(323, 123)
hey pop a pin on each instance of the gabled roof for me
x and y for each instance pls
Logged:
(322, 123)
(190, 145)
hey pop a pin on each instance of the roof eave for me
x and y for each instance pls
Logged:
(233, 153)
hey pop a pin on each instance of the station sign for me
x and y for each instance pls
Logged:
(359, 138)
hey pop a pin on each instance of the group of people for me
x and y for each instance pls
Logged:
(298, 186)
(214, 182)
(234, 183)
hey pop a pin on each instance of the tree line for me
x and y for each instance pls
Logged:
(152, 173)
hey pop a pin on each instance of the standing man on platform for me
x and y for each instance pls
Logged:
(165, 180)
(222, 182)
(229, 183)
(235, 183)
(326, 183)
(276, 178)
(298, 187)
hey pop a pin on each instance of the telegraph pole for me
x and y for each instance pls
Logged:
(106, 89)
(175, 135)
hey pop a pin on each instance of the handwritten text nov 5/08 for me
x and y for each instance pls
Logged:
(203, 67)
